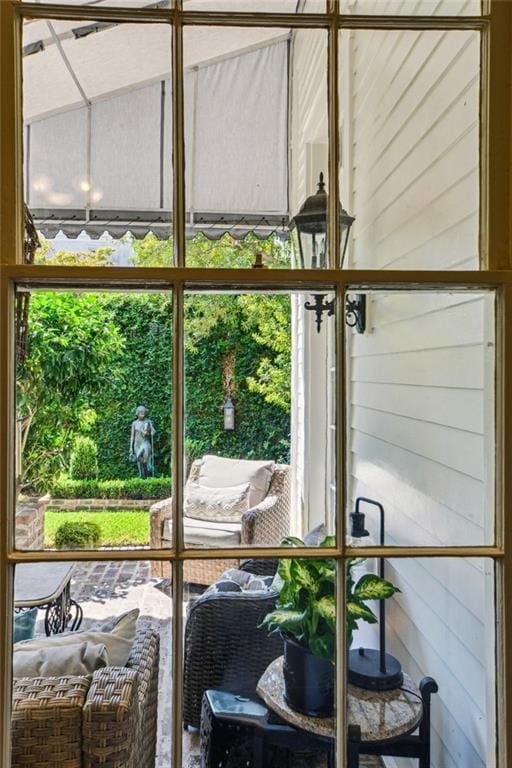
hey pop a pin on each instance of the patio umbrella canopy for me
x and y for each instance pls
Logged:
(98, 127)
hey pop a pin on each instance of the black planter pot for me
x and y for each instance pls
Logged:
(309, 682)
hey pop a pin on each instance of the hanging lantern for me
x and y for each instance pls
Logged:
(309, 230)
(229, 414)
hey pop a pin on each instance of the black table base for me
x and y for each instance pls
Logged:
(237, 732)
(62, 614)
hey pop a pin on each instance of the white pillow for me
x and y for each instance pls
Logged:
(216, 504)
(76, 659)
(118, 641)
(218, 472)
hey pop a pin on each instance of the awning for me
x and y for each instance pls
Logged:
(98, 129)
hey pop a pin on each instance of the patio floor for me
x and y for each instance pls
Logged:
(107, 589)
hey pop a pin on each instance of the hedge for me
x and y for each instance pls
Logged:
(78, 535)
(134, 488)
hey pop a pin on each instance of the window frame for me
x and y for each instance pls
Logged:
(495, 27)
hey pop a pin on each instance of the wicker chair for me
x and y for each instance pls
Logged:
(265, 524)
(107, 719)
(225, 646)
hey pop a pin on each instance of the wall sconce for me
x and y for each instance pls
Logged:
(310, 227)
(355, 312)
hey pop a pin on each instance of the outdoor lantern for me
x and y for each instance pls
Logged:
(229, 414)
(373, 668)
(309, 229)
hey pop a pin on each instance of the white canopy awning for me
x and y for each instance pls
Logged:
(98, 128)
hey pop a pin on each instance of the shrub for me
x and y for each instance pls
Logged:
(78, 535)
(134, 488)
(84, 459)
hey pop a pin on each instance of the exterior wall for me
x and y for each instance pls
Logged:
(420, 398)
(311, 433)
(411, 110)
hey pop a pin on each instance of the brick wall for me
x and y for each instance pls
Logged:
(29, 526)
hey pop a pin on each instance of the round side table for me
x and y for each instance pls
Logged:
(381, 716)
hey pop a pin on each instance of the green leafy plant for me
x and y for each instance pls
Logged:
(78, 535)
(306, 606)
(134, 488)
(83, 464)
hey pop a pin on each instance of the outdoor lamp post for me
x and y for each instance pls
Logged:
(373, 668)
(309, 229)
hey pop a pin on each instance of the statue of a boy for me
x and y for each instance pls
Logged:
(141, 442)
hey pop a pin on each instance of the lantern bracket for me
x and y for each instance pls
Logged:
(319, 306)
(355, 312)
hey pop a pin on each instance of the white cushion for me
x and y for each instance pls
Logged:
(219, 504)
(218, 472)
(118, 641)
(205, 533)
(75, 659)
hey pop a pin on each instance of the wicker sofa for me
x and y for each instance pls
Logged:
(264, 524)
(105, 719)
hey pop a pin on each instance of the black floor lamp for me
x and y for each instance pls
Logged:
(373, 668)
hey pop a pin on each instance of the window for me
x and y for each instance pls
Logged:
(255, 284)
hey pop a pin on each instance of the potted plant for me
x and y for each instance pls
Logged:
(305, 615)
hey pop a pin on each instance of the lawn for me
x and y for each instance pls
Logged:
(119, 528)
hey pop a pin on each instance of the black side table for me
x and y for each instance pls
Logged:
(238, 731)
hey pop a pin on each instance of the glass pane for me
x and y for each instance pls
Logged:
(256, 144)
(258, 6)
(421, 412)
(439, 645)
(113, 3)
(255, 417)
(410, 148)
(104, 687)
(235, 682)
(97, 142)
(93, 380)
(412, 7)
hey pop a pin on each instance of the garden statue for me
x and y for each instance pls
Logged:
(141, 442)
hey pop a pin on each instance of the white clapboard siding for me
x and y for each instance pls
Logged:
(457, 408)
(307, 132)
(462, 493)
(419, 380)
(445, 367)
(308, 107)
(413, 518)
(414, 151)
(455, 449)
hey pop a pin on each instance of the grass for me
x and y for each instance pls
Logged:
(119, 528)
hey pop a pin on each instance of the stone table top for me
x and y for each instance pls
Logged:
(381, 715)
(38, 584)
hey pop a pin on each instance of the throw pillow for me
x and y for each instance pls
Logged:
(234, 580)
(76, 659)
(118, 641)
(24, 624)
(216, 504)
(218, 472)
